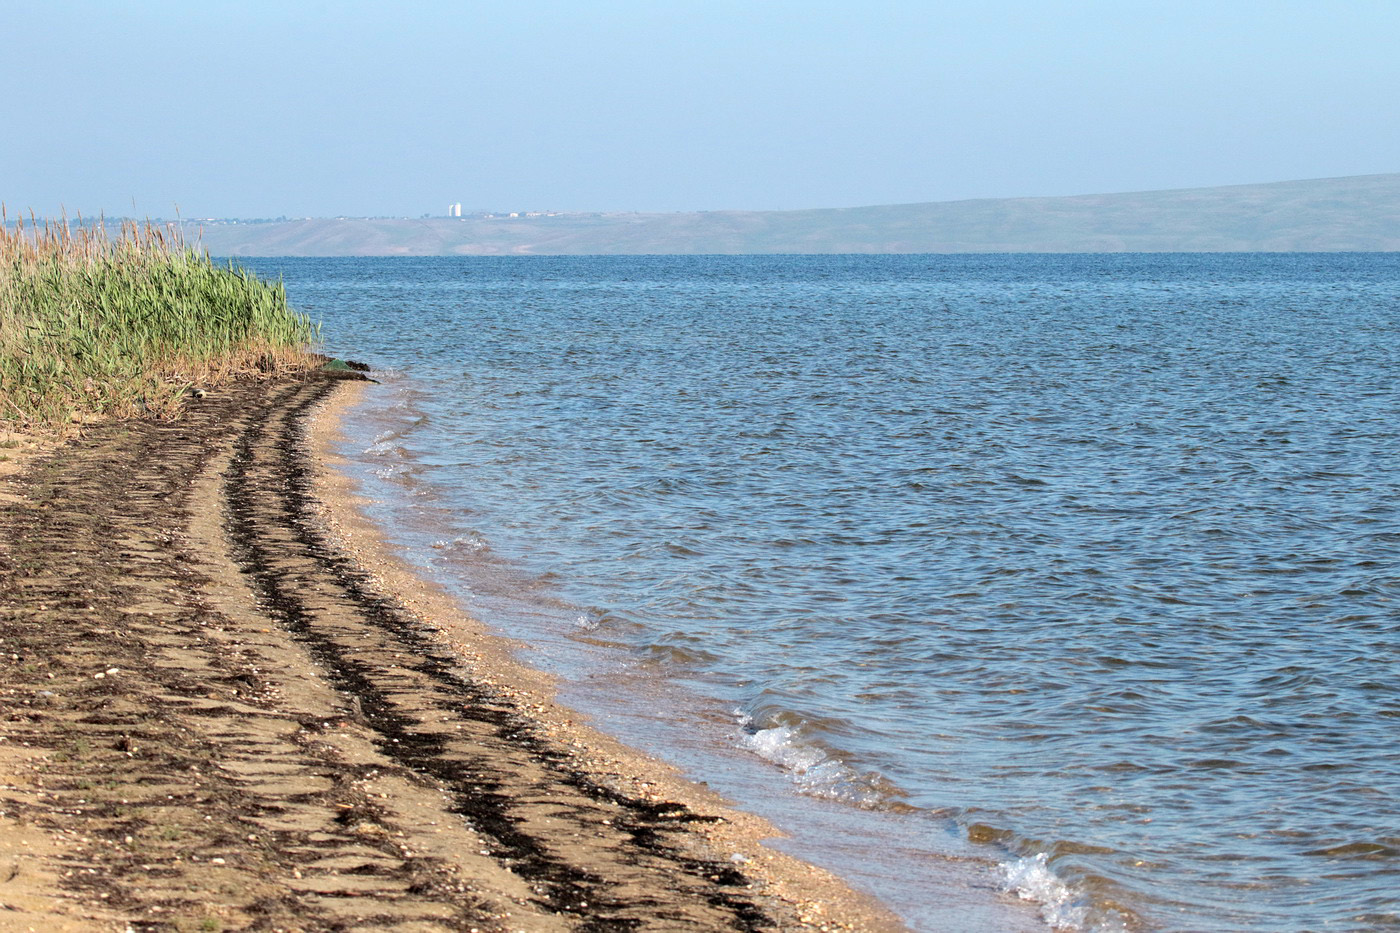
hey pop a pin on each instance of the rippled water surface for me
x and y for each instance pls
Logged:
(1082, 565)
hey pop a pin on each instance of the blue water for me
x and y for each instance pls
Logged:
(1085, 567)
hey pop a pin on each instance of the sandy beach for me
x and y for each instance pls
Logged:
(224, 706)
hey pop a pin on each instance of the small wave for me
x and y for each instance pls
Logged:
(401, 472)
(385, 447)
(680, 654)
(384, 440)
(1031, 879)
(1358, 850)
(470, 543)
(1062, 906)
(814, 771)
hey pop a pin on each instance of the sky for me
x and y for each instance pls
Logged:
(259, 109)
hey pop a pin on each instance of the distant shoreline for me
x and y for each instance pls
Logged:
(1353, 214)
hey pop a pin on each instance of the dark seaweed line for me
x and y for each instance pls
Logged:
(565, 887)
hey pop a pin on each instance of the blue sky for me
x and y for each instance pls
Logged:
(257, 109)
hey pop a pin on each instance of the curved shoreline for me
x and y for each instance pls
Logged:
(225, 703)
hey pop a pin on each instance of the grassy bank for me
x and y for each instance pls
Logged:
(129, 324)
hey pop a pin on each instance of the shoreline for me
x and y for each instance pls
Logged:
(226, 705)
(887, 854)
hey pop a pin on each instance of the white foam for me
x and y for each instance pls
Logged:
(1032, 880)
(1063, 908)
(473, 542)
(811, 768)
(386, 446)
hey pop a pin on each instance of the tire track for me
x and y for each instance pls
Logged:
(508, 783)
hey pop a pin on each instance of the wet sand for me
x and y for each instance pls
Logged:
(223, 705)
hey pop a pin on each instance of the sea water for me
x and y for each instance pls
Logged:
(1080, 572)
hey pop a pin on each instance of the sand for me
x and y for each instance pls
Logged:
(225, 705)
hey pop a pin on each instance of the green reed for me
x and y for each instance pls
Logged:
(127, 325)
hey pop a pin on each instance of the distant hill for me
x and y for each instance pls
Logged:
(1332, 214)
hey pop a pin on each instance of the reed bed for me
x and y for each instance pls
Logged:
(123, 325)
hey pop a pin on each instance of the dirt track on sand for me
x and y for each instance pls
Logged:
(213, 718)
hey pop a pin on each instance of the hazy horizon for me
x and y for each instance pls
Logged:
(498, 210)
(369, 110)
